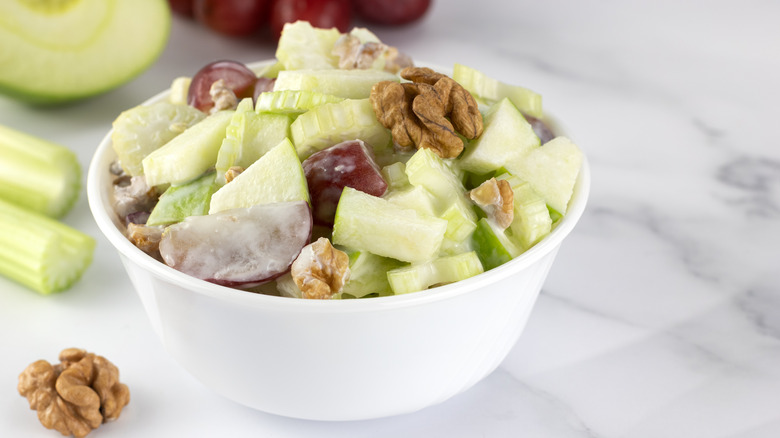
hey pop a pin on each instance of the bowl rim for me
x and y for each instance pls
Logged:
(99, 203)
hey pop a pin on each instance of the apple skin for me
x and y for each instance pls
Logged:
(347, 164)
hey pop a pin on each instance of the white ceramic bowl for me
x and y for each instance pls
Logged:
(340, 359)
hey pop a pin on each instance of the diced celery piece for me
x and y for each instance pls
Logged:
(442, 270)
(349, 84)
(303, 46)
(461, 223)
(40, 252)
(249, 136)
(492, 90)
(292, 101)
(333, 123)
(368, 275)
(395, 175)
(179, 202)
(368, 223)
(277, 176)
(143, 129)
(287, 287)
(188, 155)
(37, 174)
(532, 219)
(507, 137)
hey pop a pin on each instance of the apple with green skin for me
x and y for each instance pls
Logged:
(59, 51)
(179, 202)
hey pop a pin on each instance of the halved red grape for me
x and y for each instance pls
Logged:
(232, 17)
(540, 128)
(182, 7)
(237, 76)
(347, 164)
(392, 12)
(320, 13)
(262, 85)
(243, 247)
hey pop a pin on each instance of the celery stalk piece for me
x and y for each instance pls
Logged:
(492, 90)
(40, 252)
(37, 174)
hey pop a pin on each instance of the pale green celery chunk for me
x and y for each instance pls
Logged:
(368, 275)
(248, 137)
(40, 252)
(292, 102)
(442, 270)
(332, 123)
(349, 84)
(395, 175)
(484, 87)
(532, 219)
(37, 174)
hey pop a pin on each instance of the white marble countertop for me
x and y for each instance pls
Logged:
(661, 316)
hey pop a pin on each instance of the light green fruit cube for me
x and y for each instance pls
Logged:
(368, 223)
(442, 270)
(552, 171)
(506, 138)
(188, 155)
(277, 176)
(302, 45)
(491, 90)
(349, 84)
(179, 202)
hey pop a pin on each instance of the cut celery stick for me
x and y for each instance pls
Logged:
(368, 275)
(492, 245)
(40, 252)
(367, 223)
(333, 123)
(37, 174)
(248, 137)
(349, 84)
(492, 90)
(442, 270)
(395, 175)
(532, 220)
(292, 101)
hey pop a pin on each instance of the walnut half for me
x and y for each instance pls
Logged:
(496, 199)
(428, 112)
(75, 396)
(320, 270)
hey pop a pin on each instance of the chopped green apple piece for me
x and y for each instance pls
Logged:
(368, 223)
(188, 155)
(492, 245)
(368, 275)
(506, 138)
(277, 176)
(491, 90)
(333, 123)
(37, 174)
(179, 202)
(442, 270)
(349, 84)
(248, 137)
(57, 51)
(40, 252)
(552, 171)
(303, 46)
(143, 129)
(416, 198)
(292, 101)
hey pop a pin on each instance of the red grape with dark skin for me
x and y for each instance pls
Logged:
(182, 7)
(232, 17)
(237, 76)
(320, 13)
(391, 12)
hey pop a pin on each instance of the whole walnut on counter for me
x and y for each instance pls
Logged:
(75, 396)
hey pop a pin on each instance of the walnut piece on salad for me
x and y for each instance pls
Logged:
(320, 271)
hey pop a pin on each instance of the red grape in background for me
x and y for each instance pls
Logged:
(232, 17)
(320, 13)
(182, 7)
(236, 75)
(391, 12)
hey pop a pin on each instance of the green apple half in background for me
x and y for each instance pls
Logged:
(60, 50)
